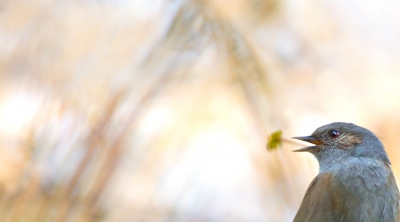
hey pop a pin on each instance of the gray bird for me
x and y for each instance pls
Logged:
(355, 181)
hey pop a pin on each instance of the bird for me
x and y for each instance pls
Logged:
(355, 181)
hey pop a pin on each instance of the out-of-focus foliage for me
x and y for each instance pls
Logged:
(274, 140)
(158, 110)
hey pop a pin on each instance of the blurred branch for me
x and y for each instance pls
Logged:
(95, 141)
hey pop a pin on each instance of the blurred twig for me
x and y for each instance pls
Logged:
(95, 141)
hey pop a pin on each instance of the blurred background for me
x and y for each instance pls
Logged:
(160, 110)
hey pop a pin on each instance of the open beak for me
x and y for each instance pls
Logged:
(309, 139)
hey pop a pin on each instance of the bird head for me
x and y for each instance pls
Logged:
(347, 138)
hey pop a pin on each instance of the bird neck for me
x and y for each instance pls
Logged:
(330, 158)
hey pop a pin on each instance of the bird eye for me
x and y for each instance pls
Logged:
(334, 133)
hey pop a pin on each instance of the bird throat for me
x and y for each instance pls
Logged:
(329, 157)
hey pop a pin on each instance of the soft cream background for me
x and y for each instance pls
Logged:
(171, 103)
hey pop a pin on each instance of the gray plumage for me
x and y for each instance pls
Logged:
(355, 181)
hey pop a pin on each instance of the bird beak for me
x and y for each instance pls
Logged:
(309, 139)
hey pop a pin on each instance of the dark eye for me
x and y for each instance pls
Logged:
(334, 133)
